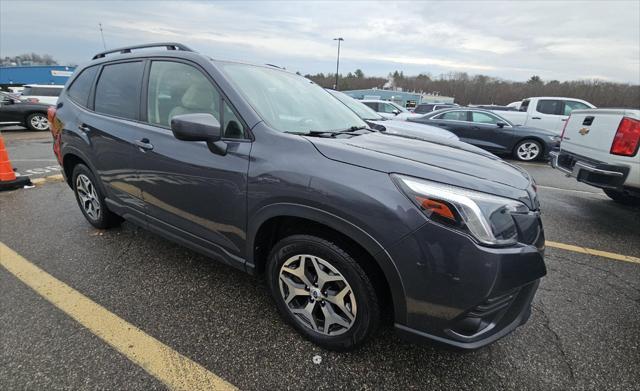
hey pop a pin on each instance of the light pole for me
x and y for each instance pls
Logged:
(338, 61)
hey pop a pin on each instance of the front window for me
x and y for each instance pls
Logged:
(363, 111)
(549, 106)
(389, 108)
(484, 118)
(290, 103)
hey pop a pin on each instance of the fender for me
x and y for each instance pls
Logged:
(341, 225)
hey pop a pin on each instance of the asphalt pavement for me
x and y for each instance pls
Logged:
(583, 332)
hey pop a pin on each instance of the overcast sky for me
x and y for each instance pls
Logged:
(562, 40)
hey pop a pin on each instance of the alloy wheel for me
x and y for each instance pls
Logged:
(528, 151)
(39, 122)
(317, 294)
(88, 196)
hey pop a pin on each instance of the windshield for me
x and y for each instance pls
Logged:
(363, 111)
(290, 103)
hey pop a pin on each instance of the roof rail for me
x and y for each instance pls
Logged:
(127, 49)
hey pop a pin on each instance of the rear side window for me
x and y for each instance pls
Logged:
(118, 90)
(570, 105)
(549, 106)
(453, 116)
(81, 86)
(373, 105)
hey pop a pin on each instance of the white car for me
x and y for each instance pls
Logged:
(545, 112)
(389, 109)
(600, 148)
(41, 93)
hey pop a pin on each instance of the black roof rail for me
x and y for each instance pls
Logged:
(128, 49)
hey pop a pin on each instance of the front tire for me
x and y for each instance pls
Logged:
(528, 150)
(37, 122)
(323, 292)
(91, 200)
(622, 198)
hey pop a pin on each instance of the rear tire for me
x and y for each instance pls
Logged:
(323, 292)
(37, 122)
(91, 200)
(528, 150)
(622, 198)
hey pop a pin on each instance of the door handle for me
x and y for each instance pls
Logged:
(536, 118)
(144, 144)
(84, 128)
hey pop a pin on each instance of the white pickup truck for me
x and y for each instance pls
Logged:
(546, 112)
(600, 148)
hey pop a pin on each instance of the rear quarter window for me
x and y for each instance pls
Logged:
(81, 86)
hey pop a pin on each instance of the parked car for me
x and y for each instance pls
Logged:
(41, 93)
(488, 130)
(264, 170)
(389, 109)
(390, 126)
(600, 148)
(14, 111)
(424, 108)
(545, 112)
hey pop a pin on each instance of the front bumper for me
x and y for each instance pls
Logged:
(589, 171)
(463, 294)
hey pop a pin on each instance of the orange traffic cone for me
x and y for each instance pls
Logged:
(8, 179)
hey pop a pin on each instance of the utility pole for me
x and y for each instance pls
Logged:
(338, 61)
(102, 35)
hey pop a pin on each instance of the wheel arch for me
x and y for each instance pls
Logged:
(265, 227)
(72, 157)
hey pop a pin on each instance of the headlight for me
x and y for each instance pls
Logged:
(486, 217)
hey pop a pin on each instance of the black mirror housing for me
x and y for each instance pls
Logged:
(501, 124)
(196, 127)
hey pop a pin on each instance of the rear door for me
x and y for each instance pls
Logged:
(455, 121)
(548, 114)
(109, 127)
(191, 192)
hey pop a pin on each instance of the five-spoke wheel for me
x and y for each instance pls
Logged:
(528, 150)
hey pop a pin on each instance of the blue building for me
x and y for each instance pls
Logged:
(36, 74)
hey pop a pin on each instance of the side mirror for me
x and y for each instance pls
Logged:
(199, 127)
(7, 101)
(396, 112)
(500, 124)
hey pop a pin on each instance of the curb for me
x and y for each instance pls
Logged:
(47, 179)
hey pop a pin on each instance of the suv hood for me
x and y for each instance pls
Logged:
(441, 160)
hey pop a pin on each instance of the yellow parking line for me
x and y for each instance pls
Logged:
(590, 251)
(170, 367)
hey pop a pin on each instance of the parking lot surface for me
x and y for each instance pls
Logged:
(583, 332)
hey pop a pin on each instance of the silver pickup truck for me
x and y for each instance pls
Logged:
(600, 148)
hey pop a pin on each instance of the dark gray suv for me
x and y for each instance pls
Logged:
(265, 171)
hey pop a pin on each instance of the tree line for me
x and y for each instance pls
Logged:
(29, 59)
(482, 89)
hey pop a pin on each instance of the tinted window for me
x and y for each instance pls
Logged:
(372, 105)
(118, 90)
(524, 105)
(41, 91)
(548, 106)
(484, 118)
(454, 116)
(176, 88)
(570, 105)
(231, 124)
(79, 90)
(421, 109)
